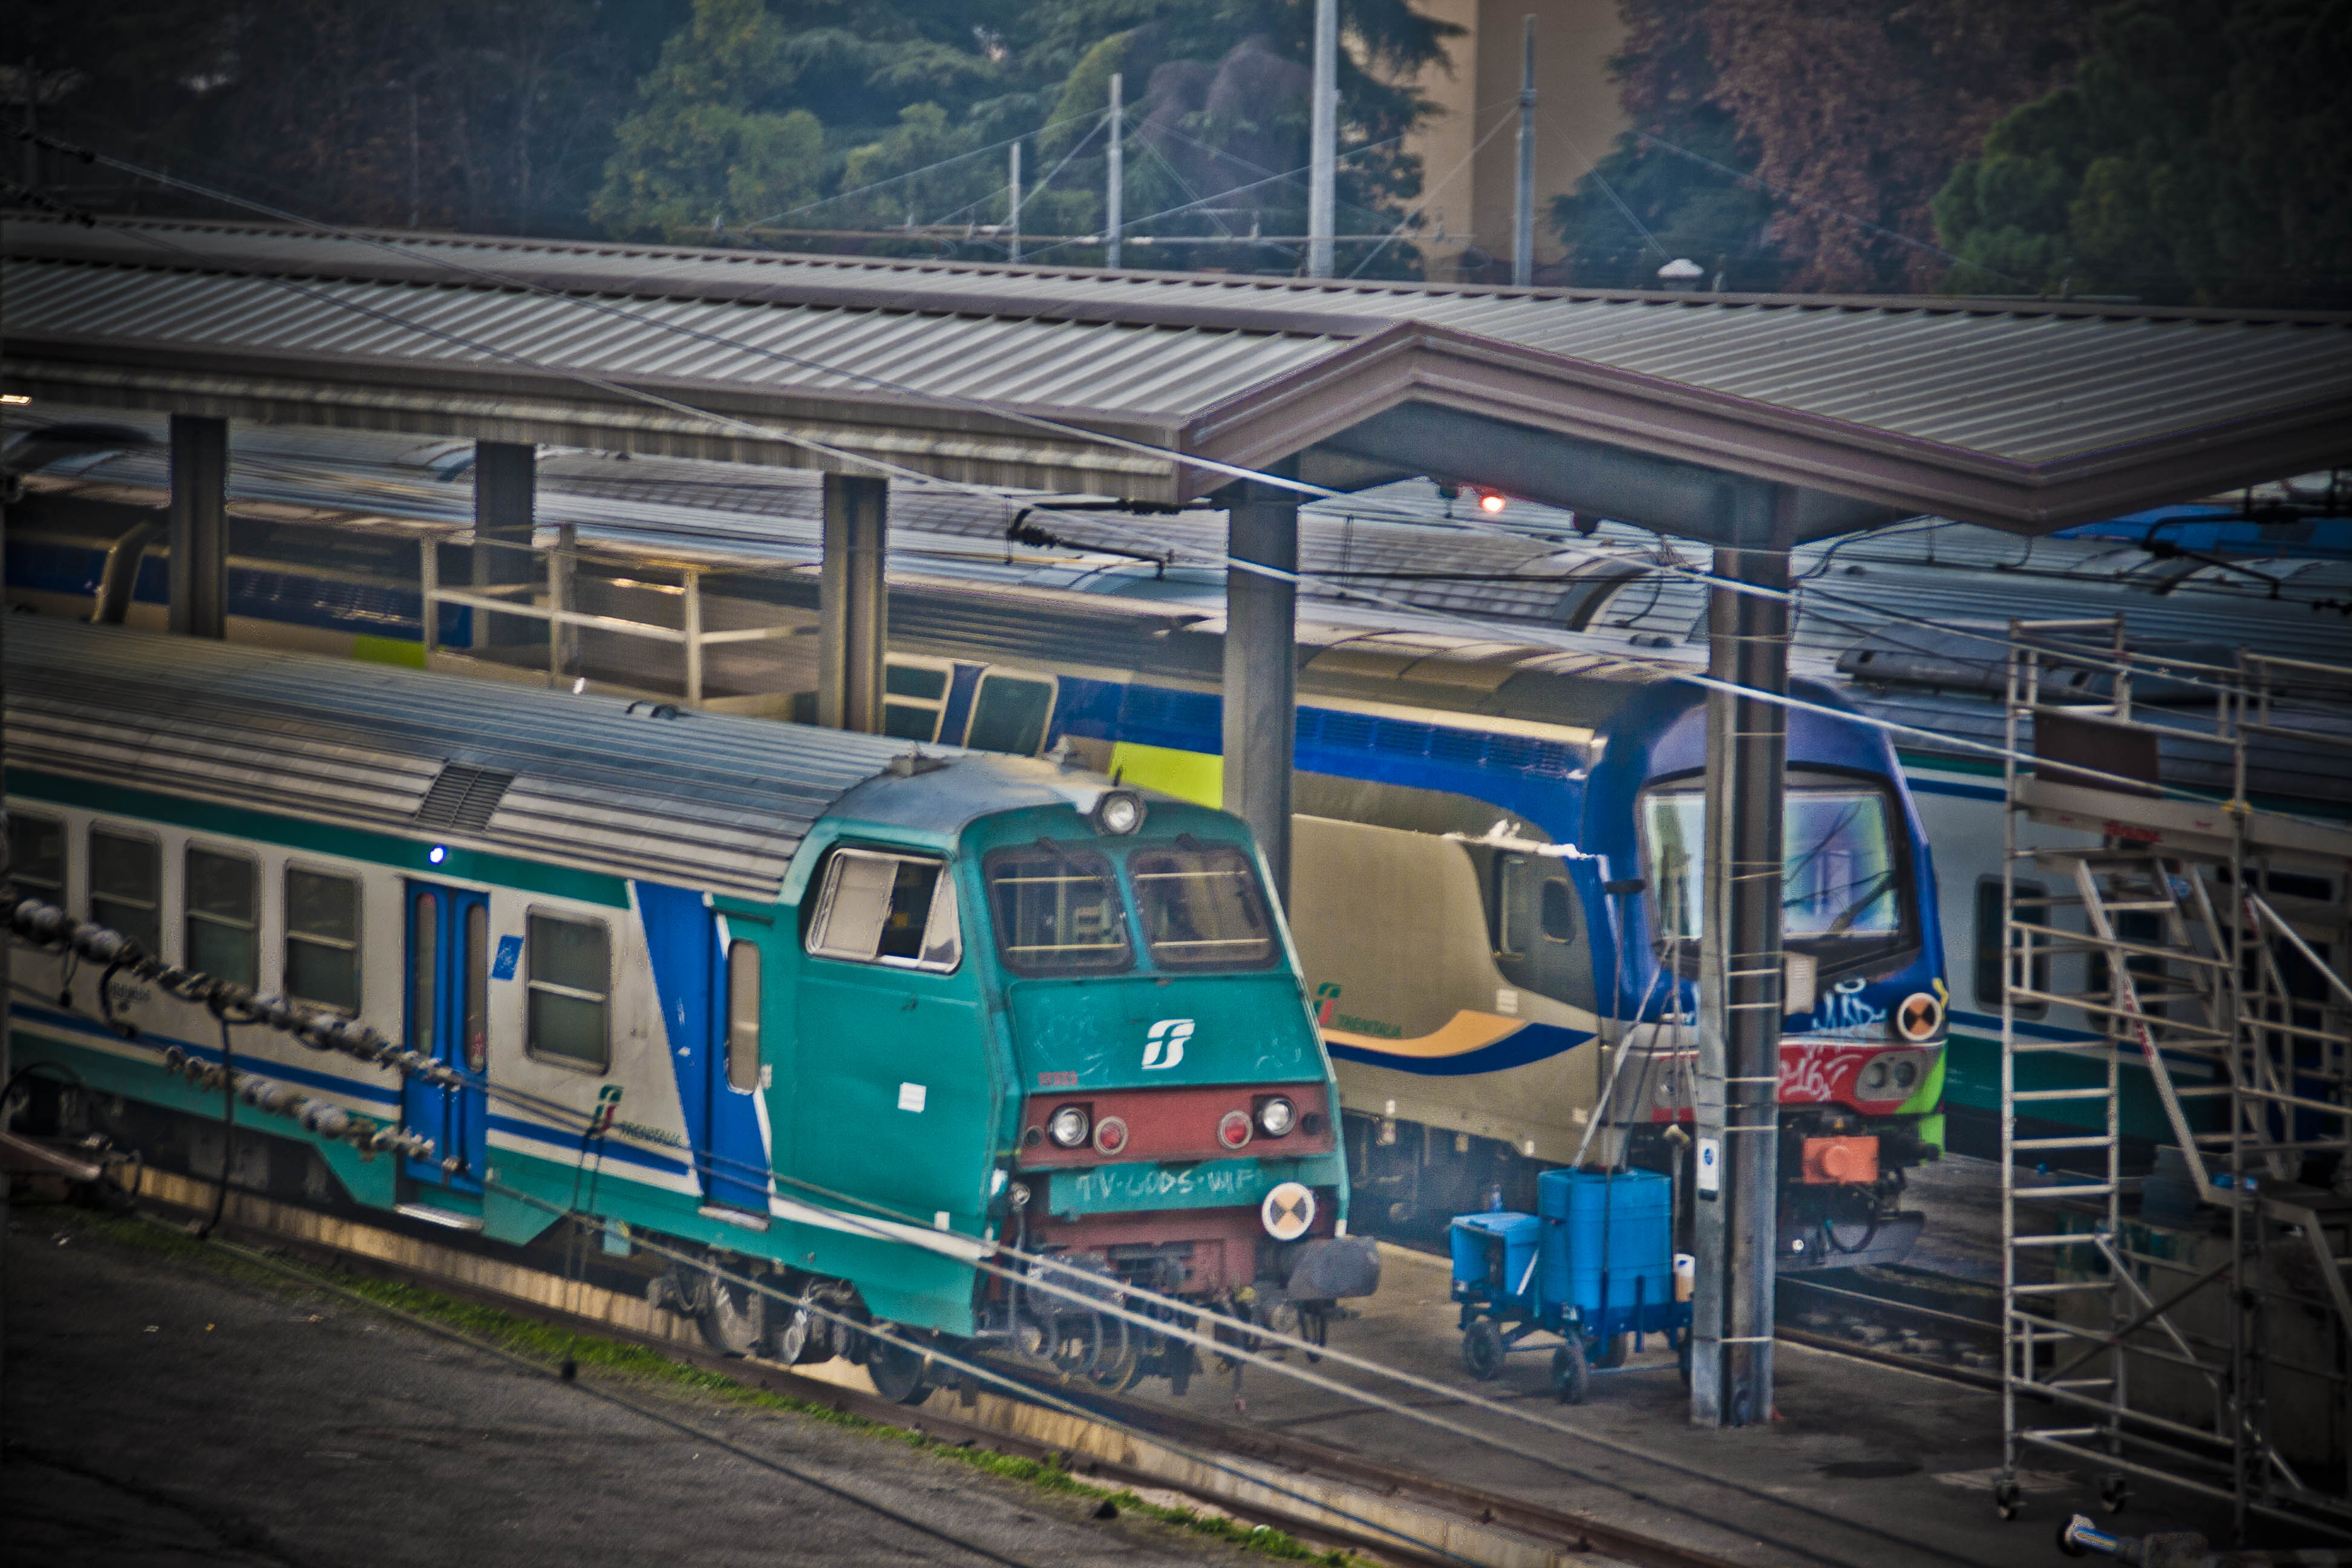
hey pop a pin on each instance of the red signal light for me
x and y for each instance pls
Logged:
(1491, 503)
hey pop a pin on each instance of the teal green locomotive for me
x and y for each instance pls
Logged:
(871, 1022)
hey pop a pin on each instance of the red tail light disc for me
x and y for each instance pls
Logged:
(1111, 1135)
(1234, 1131)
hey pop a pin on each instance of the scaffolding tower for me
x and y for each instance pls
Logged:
(2188, 1325)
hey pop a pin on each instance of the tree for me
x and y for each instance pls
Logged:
(1651, 199)
(2203, 156)
(701, 148)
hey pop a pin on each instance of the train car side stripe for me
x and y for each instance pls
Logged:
(1467, 1042)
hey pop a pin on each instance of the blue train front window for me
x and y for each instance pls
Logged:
(1057, 911)
(1201, 906)
(1842, 892)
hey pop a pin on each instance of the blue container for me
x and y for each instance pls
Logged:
(1497, 1250)
(1607, 1236)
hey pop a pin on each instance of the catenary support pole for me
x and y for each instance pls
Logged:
(506, 499)
(199, 576)
(1012, 210)
(1736, 1196)
(1114, 197)
(1323, 140)
(1261, 719)
(852, 604)
(1523, 212)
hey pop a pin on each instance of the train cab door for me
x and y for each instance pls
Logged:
(448, 1020)
(1542, 940)
(711, 973)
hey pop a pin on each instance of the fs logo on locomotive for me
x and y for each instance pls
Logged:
(1163, 1044)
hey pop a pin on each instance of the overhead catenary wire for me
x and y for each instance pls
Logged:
(868, 461)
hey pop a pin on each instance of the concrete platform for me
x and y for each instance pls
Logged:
(160, 1413)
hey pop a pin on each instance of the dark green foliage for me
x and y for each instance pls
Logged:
(1687, 209)
(2204, 155)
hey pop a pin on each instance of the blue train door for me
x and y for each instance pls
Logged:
(448, 1019)
(709, 972)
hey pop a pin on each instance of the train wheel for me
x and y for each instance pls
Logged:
(1616, 1350)
(1571, 1378)
(733, 1318)
(804, 1336)
(898, 1370)
(1482, 1351)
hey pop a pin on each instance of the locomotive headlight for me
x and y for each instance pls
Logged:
(1873, 1077)
(1277, 1117)
(1906, 1073)
(1068, 1126)
(1119, 811)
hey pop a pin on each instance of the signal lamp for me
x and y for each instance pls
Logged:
(1490, 503)
(1234, 1129)
(1119, 812)
(1110, 1136)
(1277, 1117)
(1068, 1126)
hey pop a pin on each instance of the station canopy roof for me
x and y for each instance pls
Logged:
(1679, 412)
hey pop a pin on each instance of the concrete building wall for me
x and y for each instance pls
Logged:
(1476, 88)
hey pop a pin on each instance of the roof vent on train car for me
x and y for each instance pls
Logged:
(464, 797)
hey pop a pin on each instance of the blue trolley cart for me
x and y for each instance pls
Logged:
(1594, 1266)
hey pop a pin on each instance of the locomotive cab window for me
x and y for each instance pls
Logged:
(1846, 898)
(571, 992)
(223, 934)
(897, 909)
(1057, 911)
(1201, 907)
(322, 939)
(126, 886)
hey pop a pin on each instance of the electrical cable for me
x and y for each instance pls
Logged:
(928, 168)
(1593, 172)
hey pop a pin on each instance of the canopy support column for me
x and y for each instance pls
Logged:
(199, 576)
(852, 604)
(1735, 1194)
(506, 502)
(1261, 711)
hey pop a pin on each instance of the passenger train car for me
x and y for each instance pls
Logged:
(837, 1009)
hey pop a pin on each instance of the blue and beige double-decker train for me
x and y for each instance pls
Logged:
(838, 1010)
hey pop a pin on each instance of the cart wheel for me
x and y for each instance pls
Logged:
(2115, 1491)
(1571, 1379)
(2007, 1498)
(1482, 1351)
(1616, 1350)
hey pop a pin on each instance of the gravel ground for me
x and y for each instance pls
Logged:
(162, 1411)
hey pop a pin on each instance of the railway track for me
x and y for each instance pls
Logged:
(1319, 1493)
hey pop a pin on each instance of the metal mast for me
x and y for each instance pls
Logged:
(1323, 140)
(1114, 217)
(1523, 224)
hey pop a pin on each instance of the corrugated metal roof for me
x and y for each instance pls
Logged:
(2021, 385)
(705, 801)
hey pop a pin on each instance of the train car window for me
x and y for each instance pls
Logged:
(896, 909)
(477, 988)
(1057, 911)
(1555, 915)
(570, 991)
(1200, 908)
(1510, 900)
(1990, 929)
(222, 929)
(743, 1015)
(1010, 713)
(914, 698)
(424, 973)
(322, 939)
(126, 886)
(36, 856)
(1674, 834)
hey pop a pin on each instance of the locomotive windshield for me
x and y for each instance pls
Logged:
(1057, 911)
(1843, 889)
(1200, 908)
